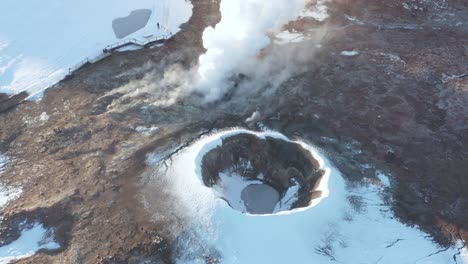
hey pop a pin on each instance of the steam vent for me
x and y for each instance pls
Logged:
(262, 175)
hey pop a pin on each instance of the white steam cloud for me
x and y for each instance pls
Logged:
(238, 44)
(240, 35)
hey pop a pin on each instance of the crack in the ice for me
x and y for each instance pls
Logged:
(432, 254)
(379, 259)
(459, 249)
(326, 251)
(394, 243)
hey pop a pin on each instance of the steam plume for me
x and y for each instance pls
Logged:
(240, 35)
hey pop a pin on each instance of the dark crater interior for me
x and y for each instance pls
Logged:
(272, 165)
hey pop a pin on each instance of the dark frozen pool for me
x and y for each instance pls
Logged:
(260, 198)
(124, 26)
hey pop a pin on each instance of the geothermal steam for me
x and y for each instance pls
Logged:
(240, 35)
(232, 47)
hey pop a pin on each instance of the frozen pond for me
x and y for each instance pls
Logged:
(31, 240)
(125, 26)
(260, 198)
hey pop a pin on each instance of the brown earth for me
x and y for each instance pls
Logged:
(401, 105)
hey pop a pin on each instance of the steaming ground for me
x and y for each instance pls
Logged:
(233, 50)
(333, 228)
(240, 34)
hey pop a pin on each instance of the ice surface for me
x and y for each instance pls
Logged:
(230, 187)
(40, 40)
(348, 224)
(260, 198)
(30, 241)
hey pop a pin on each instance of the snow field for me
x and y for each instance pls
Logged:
(40, 40)
(350, 223)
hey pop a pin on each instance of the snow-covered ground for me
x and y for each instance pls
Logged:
(40, 40)
(30, 241)
(350, 223)
(32, 238)
(349, 53)
(230, 187)
(319, 11)
(7, 193)
(3, 161)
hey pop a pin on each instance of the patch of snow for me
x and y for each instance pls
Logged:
(289, 198)
(3, 162)
(354, 19)
(353, 147)
(446, 78)
(8, 194)
(260, 176)
(154, 158)
(286, 37)
(31, 121)
(366, 166)
(255, 117)
(462, 256)
(146, 130)
(384, 179)
(392, 57)
(332, 228)
(44, 117)
(230, 187)
(128, 48)
(349, 53)
(40, 40)
(30, 241)
(328, 140)
(318, 12)
(157, 45)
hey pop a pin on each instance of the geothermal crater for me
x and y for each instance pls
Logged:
(262, 175)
